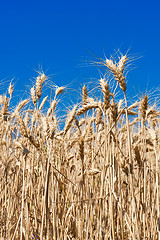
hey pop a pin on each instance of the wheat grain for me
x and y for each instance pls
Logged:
(69, 119)
(84, 95)
(42, 103)
(21, 105)
(23, 129)
(5, 106)
(10, 90)
(114, 111)
(144, 106)
(85, 108)
(39, 81)
(33, 95)
(106, 92)
(99, 116)
(59, 90)
(117, 70)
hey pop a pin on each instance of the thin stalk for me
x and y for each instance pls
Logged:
(24, 163)
(53, 207)
(5, 228)
(131, 166)
(144, 177)
(157, 188)
(44, 202)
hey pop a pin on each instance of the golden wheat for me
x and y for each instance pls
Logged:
(97, 177)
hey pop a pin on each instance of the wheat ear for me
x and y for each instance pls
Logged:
(118, 70)
(84, 95)
(106, 92)
(69, 119)
(39, 81)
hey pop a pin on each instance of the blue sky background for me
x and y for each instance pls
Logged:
(64, 36)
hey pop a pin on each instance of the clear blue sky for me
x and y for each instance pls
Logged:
(61, 36)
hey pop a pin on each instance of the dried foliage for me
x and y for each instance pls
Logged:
(97, 178)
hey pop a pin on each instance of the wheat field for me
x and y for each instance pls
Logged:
(95, 178)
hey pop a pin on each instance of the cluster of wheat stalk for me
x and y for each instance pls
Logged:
(97, 178)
